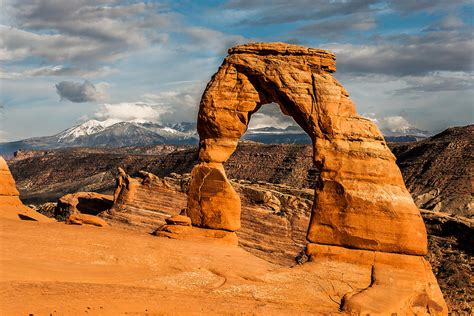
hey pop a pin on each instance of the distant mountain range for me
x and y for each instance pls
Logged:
(114, 133)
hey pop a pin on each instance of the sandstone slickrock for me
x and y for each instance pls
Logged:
(10, 205)
(396, 283)
(361, 200)
(197, 234)
(274, 217)
(278, 235)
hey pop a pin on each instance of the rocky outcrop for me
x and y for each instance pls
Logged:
(146, 201)
(361, 200)
(82, 203)
(362, 211)
(10, 205)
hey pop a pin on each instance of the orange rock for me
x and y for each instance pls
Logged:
(361, 200)
(83, 202)
(178, 220)
(86, 219)
(145, 201)
(396, 283)
(212, 201)
(11, 206)
(197, 234)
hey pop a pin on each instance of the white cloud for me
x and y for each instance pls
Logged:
(180, 104)
(128, 111)
(83, 31)
(58, 71)
(210, 40)
(390, 123)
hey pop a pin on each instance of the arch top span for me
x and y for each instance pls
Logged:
(360, 200)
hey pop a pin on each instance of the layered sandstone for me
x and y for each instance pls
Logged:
(10, 205)
(361, 200)
(145, 201)
(362, 212)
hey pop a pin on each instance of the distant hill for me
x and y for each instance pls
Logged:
(439, 171)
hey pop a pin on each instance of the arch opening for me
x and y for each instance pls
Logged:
(359, 180)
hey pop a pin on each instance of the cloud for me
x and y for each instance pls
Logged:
(201, 38)
(410, 6)
(180, 104)
(58, 71)
(390, 123)
(3, 136)
(439, 81)
(258, 12)
(337, 27)
(70, 71)
(81, 92)
(270, 115)
(80, 31)
(407, 54)
(128, 111)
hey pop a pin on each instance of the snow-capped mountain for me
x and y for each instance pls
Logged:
(115, 133)
(110, 133)
(404, 131)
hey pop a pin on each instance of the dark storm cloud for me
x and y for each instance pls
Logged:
(80, 92)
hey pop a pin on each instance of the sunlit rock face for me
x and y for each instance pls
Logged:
(362, 217)
(11, 206)
(361, 201)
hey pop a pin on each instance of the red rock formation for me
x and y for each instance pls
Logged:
(83, 202)
(146, 201)
(361, 201)
(10, 205)
(86, 219)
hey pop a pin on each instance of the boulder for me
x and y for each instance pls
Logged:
(178, 220)
(86, 219)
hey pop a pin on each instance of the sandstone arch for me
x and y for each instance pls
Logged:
(361, 200)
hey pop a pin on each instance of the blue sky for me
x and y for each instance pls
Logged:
(405, 63)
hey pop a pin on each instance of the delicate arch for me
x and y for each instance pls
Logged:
(360, 200)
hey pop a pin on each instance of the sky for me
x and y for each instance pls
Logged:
(404, 63)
